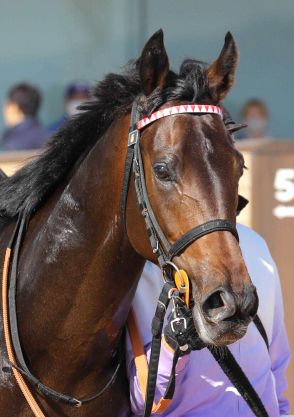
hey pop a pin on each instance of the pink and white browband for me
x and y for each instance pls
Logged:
(183, 108)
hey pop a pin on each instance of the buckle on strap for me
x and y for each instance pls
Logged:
(78, 403)
(133, 137)
(181, 281)
(179, 321)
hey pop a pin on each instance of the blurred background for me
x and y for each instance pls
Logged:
(51, 44)
(53, 52)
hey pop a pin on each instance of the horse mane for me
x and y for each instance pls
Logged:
(28, 188)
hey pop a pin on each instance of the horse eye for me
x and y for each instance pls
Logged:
(162, 172)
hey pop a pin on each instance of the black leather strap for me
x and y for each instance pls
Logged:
(159, 243)
(204, 229)
(126, 182)
(135, 115)
(157, 326)
(236, 375)
(261, 329)
(170, 390)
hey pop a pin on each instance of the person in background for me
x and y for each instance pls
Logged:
(76, 94)
(20, 112)
(255, 115)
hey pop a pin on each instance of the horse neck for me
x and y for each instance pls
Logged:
(77, 270)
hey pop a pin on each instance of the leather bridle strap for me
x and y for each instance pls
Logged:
(223, 356)
(158, 240)
(157, 327)
(234, 372)
(159, 243)
(134, 160)
(135, 114)
(161, 247)
(204, 229)
(261, 329)
(141, 364)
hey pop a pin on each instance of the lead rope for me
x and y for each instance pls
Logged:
(34, 406)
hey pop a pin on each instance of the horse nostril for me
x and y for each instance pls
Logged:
(215, 300)
(223, 305)
(219, 305)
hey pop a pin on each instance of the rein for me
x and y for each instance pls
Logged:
(165, 253)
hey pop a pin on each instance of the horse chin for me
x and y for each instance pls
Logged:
(221, 334)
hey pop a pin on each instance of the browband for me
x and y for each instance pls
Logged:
(181, 109)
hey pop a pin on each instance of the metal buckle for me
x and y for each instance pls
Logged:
(182, 288)
(184, 348)
(133, 137)
(178, 320)
(170, 293)
(78, 403)
(172, 265)
(155, 250)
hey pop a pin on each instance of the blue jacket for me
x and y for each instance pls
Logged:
(29, 134)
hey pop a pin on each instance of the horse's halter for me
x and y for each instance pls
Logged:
(161, 247)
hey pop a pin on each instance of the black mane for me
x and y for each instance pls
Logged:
(27, 189)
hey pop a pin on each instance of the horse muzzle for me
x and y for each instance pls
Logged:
(223, 316)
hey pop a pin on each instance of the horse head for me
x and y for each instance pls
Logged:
(192, 170)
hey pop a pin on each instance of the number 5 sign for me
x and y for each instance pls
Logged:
(284, 192)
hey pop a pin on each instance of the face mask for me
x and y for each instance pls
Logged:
(256, 124)
(71, 107)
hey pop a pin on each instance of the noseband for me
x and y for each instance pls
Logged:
(161, 247)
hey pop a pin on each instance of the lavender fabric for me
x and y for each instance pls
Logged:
(202, 389)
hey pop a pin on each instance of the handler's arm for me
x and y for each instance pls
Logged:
(164, 370)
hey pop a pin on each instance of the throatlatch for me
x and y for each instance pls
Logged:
(181, 317)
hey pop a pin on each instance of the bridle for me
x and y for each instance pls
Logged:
(176, 282)
(161, 247)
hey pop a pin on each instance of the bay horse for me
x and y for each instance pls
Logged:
(79, 264)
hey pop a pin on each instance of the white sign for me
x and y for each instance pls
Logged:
(284, 192)
(283, 211)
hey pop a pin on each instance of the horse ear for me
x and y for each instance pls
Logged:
(242, 203)
(221, 73)
(154, 65)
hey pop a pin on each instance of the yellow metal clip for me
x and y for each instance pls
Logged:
(183, 284)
